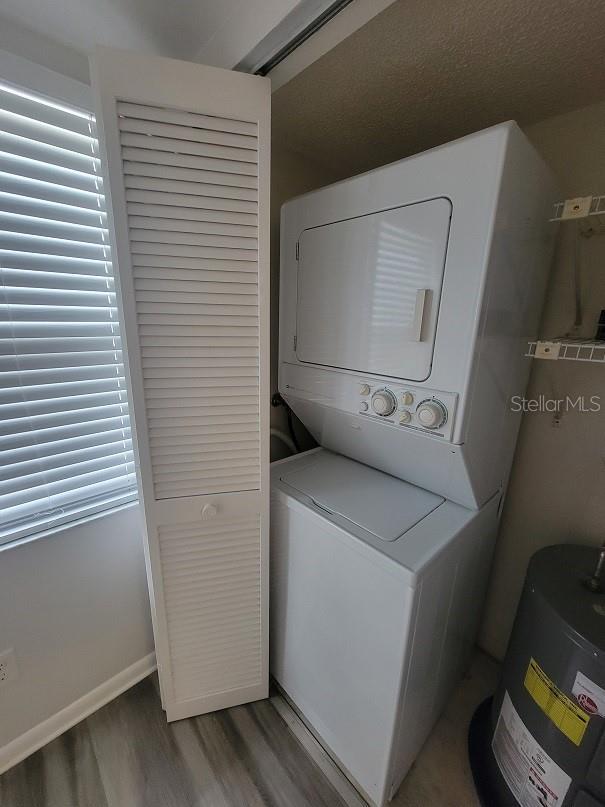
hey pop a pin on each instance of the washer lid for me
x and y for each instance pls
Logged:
(374, 501)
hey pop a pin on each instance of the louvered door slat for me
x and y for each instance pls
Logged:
(196, 297)
(178, 275)
(195, 239)
(178, 214)
(175, 250)
(149, 262)
(188, 226)
(187, 157)
(160, 170)
(186, 133)
(211, 454)
(190, 119)
(198, 149)
(190, 189)
(167, 194)
(239, 403)
(241, 173)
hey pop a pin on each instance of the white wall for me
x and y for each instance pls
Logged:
(75, 609)
(42, 50)
(556, 493)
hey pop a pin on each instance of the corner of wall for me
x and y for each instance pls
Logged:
(43, 50)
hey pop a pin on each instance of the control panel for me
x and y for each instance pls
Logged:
(397, 404)
(408, 406)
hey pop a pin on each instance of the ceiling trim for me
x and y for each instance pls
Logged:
(348, 20)
(300, 24)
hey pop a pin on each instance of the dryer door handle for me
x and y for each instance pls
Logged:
(416, 325)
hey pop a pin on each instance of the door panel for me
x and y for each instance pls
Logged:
(186, 152)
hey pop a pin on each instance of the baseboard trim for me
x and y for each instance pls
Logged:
(33, 739)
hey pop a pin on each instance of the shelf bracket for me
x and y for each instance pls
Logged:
(579, 208)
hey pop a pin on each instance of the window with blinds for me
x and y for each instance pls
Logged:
(65, 441)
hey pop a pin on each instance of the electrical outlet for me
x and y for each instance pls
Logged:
(8, 667)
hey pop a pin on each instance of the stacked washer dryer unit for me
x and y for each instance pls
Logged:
(408, 295)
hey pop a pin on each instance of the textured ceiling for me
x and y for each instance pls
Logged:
(427, 71)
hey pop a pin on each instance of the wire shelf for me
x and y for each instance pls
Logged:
(587, 350)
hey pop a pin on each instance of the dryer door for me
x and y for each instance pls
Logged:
(369, 290)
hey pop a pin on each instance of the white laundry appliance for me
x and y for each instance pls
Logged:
(407, 297)
(376, 588)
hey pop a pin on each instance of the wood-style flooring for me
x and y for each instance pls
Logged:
(126, 755)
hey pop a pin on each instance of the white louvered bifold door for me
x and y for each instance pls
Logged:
(186, 151)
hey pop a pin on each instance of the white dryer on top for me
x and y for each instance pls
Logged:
(408, 295)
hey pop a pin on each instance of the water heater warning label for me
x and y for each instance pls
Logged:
(564, 713)
(533, 778)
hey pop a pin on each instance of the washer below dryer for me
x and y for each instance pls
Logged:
(376, 587)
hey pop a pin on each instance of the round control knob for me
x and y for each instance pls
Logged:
(407, 398)
(363, 406)
(364, 389)
(431, 414)
(384, 403)
(406, 417)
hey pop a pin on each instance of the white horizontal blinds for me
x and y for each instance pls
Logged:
(212, 591)
(190, 184)
(65, 438)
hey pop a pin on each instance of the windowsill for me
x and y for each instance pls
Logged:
(52, 531)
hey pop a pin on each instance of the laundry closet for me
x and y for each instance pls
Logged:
(406, 295)
(353, 574)
(302, 337)
(401, 361)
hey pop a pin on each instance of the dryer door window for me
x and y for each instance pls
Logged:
(369, 290)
